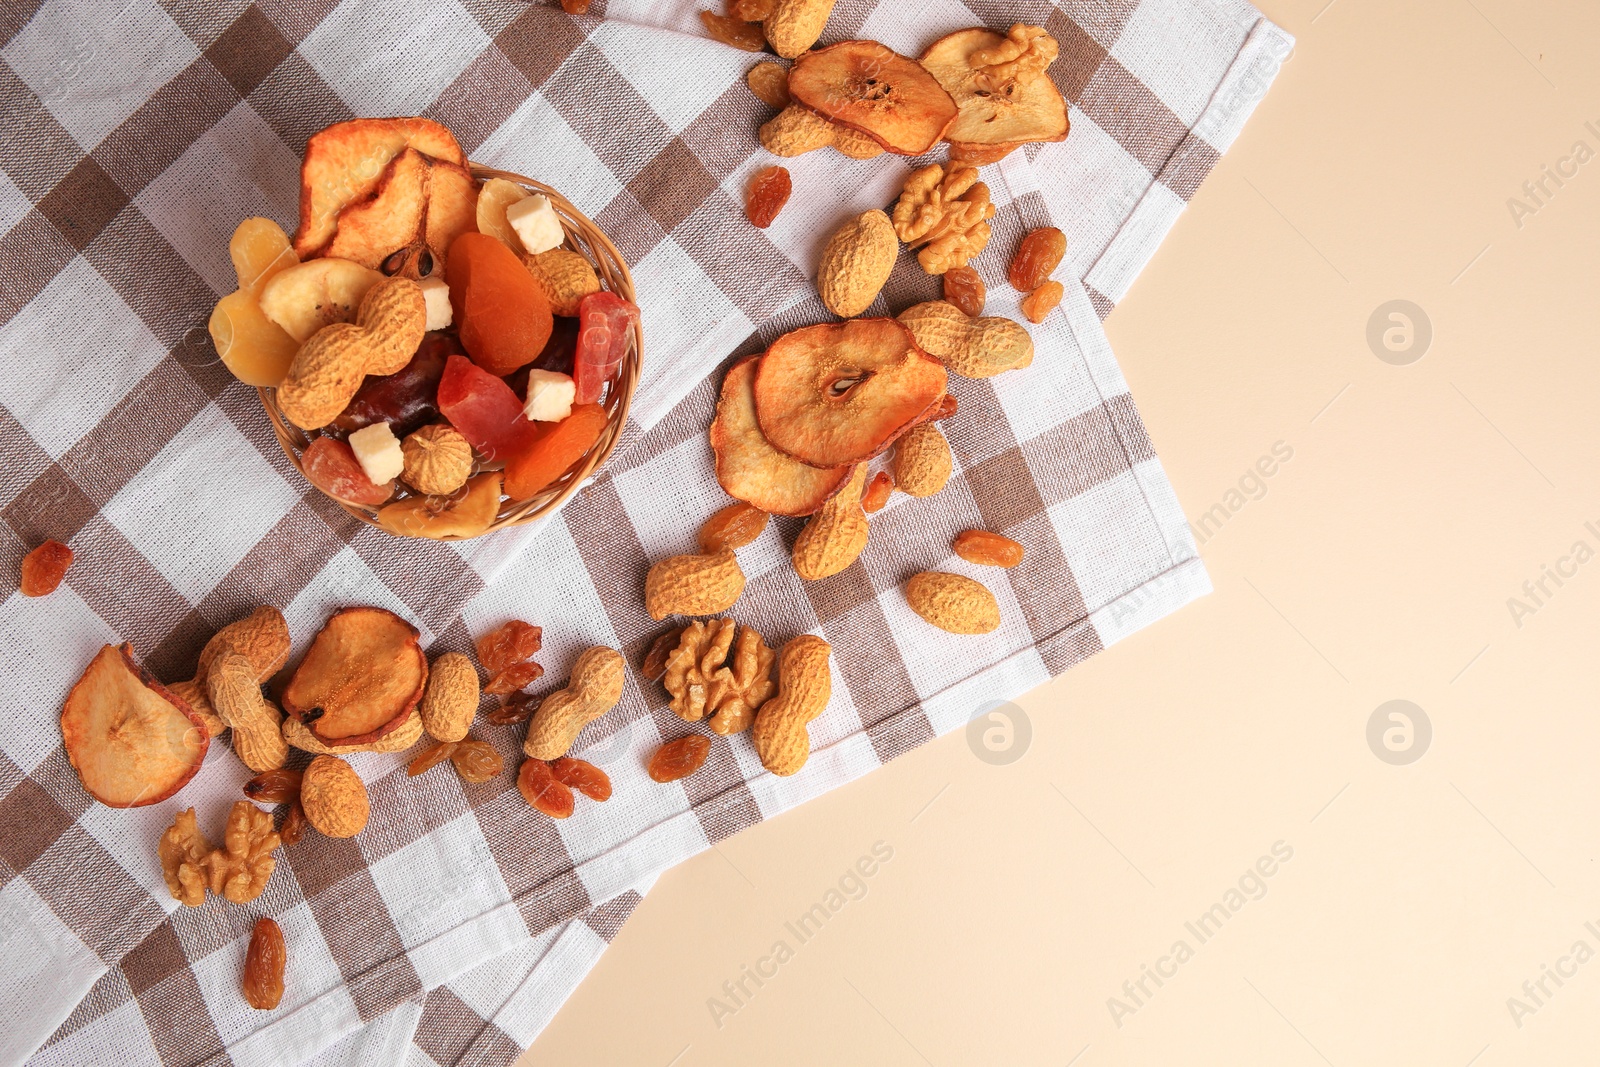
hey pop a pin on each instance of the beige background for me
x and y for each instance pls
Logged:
(1377, 565)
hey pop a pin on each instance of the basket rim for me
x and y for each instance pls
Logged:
(585, 237)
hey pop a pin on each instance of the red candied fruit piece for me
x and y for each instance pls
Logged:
(502, 315)
(405, 400)
(603, 322)
(331, 466)
(511, 642)
(485, 410)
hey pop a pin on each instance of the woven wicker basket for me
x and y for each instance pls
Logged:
(583, 236)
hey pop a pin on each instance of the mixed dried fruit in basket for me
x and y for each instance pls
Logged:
(446, 343)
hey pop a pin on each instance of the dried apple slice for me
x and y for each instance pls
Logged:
(308, 296)
(496, 195)
(391, 218)
(841, 392)
(345, 162)
(749, 468)
(1004, 103)
(131, 740)
(360, 679)
(873, 89)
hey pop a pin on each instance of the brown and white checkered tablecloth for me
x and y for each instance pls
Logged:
(133, 140)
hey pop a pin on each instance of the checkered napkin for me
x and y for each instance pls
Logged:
(131, 146)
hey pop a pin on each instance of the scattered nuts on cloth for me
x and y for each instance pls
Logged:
(165, 480)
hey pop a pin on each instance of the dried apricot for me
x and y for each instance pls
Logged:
(476, 761)
(518, 707)
(877, 494)
(655, 661)
(539, 788)
(733, 527)
(263, 966)
(1037, 305)
(331, 466)
(294, 825)
(557, 446)
(511, 642)
(515, 677)
(583, 776)
(769, 191)
(44, 567)
(431, 757)
(770, 83)
(737, 32)
(947, 407)
(680, 758)
(964, 288)
(274, 787)
(987, 549)
(1037, 256)
(501, 312)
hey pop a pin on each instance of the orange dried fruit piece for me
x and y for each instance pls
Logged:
(130, 739)
(680, 758)
(345, 162)
(733, 527)
(1036, 258)
(476, 761)
(1037, 305)
(999, 84)
(749, 468)
(877, 494)
(655, 660)
(735, 32)
(264, 962)
(538, 786)
(987, 549)
(274, 787)
(583, 776)
(871, 88)
(501, 312)
(467, 513)
(430, 757)
(518, 707)
(513, 677)
(769, 191)
(840, 393)
(557, 446)
(360, 679)
(511, 642)
(44, 567)
(254, 348)
(964, 288)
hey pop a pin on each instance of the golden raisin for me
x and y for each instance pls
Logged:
(655, 661)
(964, 288)
(583, 776)
(751, 10)
(1037, 257)
(294, 825)
(769, 191)
(510, 642)
(575, 7)
(476, 761)
(770, 83)
(540, 789)
(274, 787)
(45, 566)
(515, 677)
(263, 966)
(737, 32)
(733, 527)
(877, 494)
(1037, 305)
(431, 757)
(987, 549)
(680, 758)
(947, 407)
(518, 707)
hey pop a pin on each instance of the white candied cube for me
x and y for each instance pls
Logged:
(550, 395)
(536, 223)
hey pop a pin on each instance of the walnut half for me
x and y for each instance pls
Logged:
(946, 214)
(239, 871)
(704, 680)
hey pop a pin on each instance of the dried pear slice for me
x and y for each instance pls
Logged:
(360, 679)
(749, 468)
(840, 393)
(1001, 109)
(389, 219)
(868, 87)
